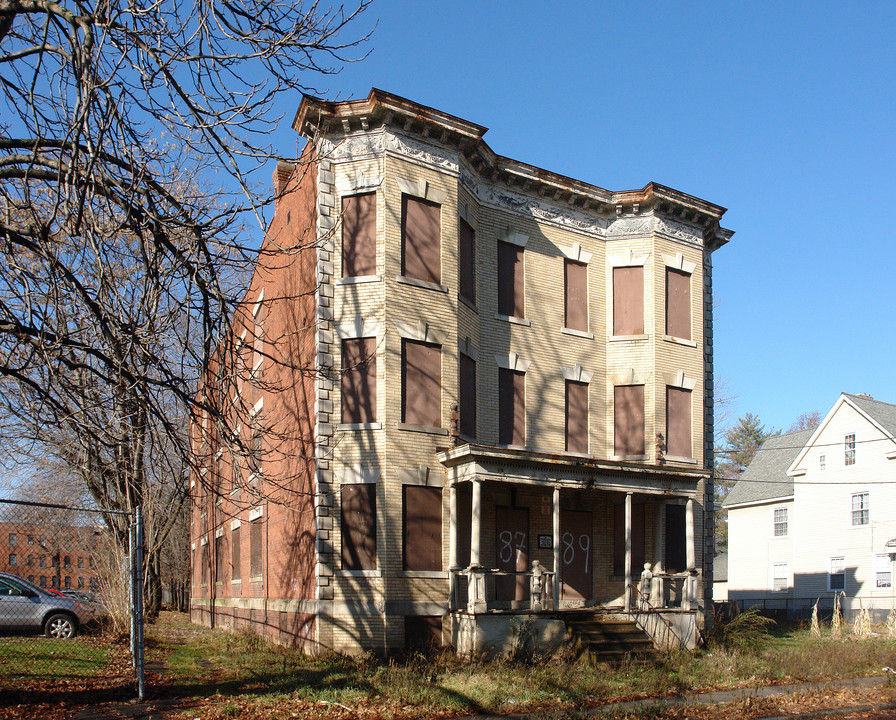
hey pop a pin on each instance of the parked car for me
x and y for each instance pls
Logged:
(94, 607)
(24, 607)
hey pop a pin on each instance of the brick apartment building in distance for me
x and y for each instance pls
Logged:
(61, 557)
(450, 365)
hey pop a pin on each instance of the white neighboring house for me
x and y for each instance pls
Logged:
(813, 515)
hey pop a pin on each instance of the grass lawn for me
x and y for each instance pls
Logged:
(235, 674)
(34, 658)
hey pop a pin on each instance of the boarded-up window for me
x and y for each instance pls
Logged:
(203, 564)
(359, 380)
(359, 235)
(678, 422)
(466, 260)
(575, 295)
(576, 416)
(258, 343)
(628, 300)
(235, 559)
(678, 304)
(422, 528)
(628, 420)
(510, 280)
(467, 371)
(421, 390)
(676, 538)
(511, 407)
(256, 557)
(638, 544)
(359, 527)
(421, 239)
(422, 632)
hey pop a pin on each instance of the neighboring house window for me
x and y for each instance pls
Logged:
(256, 558)
(421, 372)
(821, 462)
(67, 562)
(883, 571)
(30, 561)
(422, 528)
(13, 560)
(31, 539)
(467, 261)
(576, 416)
(678, 422)
(235, 558)
(628, 300)
(511, 407)
(43, 561)
(511, 287)
(359, 235)
(467, 405)
(421, 239)
(628, 420)
(575, 285)
(678, 304)
(80, 583)
(860, 509)
(80, 563)
(780, 522)
(837, 573)
(13, 540)
(780, 576)
(43, 581)
(358, 522)
(849, 449)
(359, 380)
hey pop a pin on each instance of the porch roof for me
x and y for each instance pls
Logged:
(501, 464)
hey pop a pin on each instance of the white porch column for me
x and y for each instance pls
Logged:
(475, 523)
(452, 546)
(557, 564)
(689, 535)
(628, 552)
(690, 583)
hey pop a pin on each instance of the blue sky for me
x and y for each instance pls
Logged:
(783, 113)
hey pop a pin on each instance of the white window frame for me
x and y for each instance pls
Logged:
(776, 522)
(863, 511)
(837, 563)
(777, 575)
(849, 449)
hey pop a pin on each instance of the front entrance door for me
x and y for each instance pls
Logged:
(512, 552)
(575, 554)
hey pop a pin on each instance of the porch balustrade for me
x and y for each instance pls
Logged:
(474, 589)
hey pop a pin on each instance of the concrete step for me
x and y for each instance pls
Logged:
(608, 638)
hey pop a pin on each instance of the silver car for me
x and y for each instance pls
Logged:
(25, 607)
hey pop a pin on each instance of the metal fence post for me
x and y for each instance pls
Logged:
(138, 605)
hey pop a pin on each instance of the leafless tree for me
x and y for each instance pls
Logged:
(130, 141)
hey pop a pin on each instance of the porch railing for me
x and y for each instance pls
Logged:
(475, 589)
(652, 621)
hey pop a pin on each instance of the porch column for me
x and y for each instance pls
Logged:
(452, 547)
(556, 541)
(628, 552)
(476, 593)
(690, 582)
(689, 535)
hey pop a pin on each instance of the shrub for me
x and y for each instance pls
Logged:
(747, 632)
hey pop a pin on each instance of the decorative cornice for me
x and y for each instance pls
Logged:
(512, 361)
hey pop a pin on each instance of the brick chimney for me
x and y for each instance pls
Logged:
(282, 174)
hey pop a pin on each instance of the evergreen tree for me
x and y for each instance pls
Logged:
(741, 441)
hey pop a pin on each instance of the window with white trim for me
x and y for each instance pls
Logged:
(883, 570)
(780, 577)
(849, 449)
(860, 509)
(837, 573)
(780, 522)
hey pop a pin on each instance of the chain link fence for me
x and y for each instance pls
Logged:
(68, 598)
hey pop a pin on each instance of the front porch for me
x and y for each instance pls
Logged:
(533, 537)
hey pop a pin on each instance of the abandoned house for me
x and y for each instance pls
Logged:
(466, 392)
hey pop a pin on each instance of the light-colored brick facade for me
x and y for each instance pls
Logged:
(398, 149)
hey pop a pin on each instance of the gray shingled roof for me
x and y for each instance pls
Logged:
(883, 412)
(766, 477)
(720, 567)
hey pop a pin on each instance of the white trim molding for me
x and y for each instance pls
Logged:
(358, 184)
(512, 361)
(680, 380)
(577, 374)
(677, 262)
(358, 474)
(513, 237)
(422, 189)
(359, 328)
(576, 253)
(629, 377)
(421, 332)
(629, 258)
